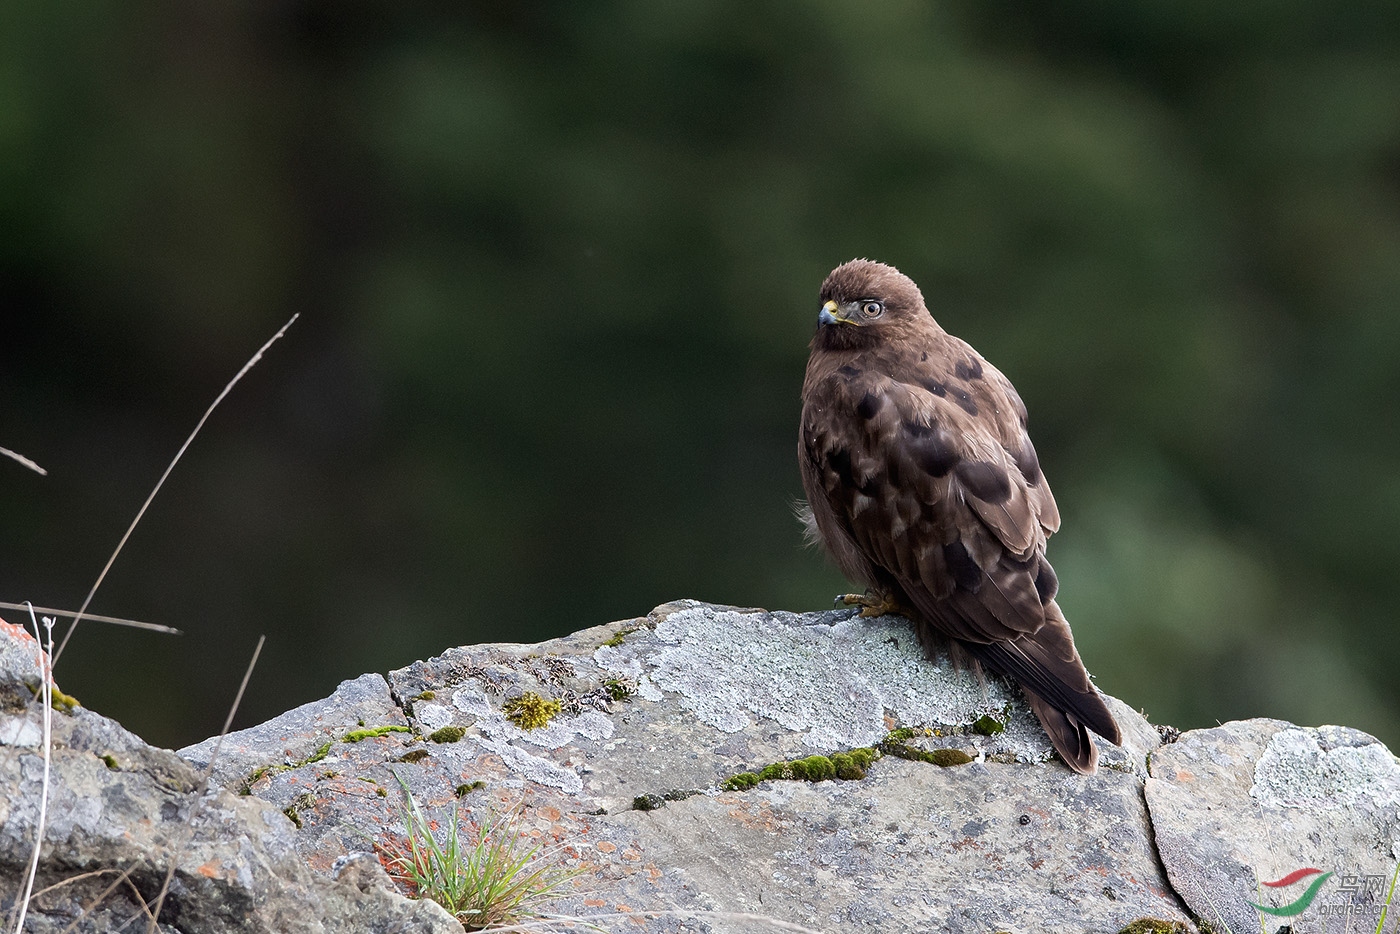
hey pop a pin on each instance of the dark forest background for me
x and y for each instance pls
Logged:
(557, 266)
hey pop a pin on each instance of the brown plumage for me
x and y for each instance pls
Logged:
(924, 486)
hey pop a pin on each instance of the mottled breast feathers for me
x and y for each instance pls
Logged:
(933, 474)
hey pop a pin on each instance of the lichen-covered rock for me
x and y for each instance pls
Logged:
(118, 817)
(1253, 801)
(704, 768)
(657, 717)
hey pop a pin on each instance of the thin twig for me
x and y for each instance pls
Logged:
(161, 482)
(25, 461)
(123, 875)
(93, 617)
(203, 784)
(46, 673)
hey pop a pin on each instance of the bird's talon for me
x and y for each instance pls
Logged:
(871, 607)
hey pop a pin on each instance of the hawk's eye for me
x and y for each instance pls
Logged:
(872, 309)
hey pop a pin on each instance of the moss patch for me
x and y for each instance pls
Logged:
(850, 765)
(463, 790)
(316, 755)
(648, 802)
(896, 743)
(621, 637)
(63, 703)
(619, 689)
(741, 782)
(425, 695)
(301, 802)
(1154, 926)
(448, 734)
(111, 762)
(989, 725)
(354, 736)
(530, 711)
(417, 755)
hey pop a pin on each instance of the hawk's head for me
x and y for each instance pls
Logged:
(865, 303)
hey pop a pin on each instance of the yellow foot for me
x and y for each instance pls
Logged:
(871, 605)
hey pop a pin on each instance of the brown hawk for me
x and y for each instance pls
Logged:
(924, 486)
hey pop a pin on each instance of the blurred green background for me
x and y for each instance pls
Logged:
(557, 266)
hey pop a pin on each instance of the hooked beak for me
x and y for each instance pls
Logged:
(831, 313)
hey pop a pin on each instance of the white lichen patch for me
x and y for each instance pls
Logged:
(832, 683)
(432, 716)
(533, 768)
(20, 731)
(561, 731)
(472, 700)
(1326, 768)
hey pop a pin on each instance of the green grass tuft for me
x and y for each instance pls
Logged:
(491, 876)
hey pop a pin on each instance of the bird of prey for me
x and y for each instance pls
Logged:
(923, 485)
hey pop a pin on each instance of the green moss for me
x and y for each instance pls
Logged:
(302, 801)
(775, 771)
(530, 711)
(850, 765)
(63, 703)
(619, 688)
(621, 637)
(426, 695)
(904, 734)
(741, 782)
(989, 725)
(947, 757)
(417, 755)
(447, 734)
(814, 769)
(316, 756)
(354, 736)
(648, 802)
(111, 762)
(464, 790)
(896, 743)
(381, 791)
(1154, 926)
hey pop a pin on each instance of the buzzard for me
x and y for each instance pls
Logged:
(923, 485)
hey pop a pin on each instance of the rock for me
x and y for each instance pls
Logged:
(708, 768)
(1253, 801)
(664, 710)
(119, 815)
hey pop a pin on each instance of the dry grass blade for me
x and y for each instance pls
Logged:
(93, 617)
(25, 461)
(200, 787)
(46, 674)
(161, 482)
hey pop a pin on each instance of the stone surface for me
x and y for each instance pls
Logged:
(117, 805)
(300, 732)
(1252, 801)
(716, 691)
(628, 785)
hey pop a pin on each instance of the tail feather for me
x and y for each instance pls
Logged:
(1047, 666)
(1069, 737)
